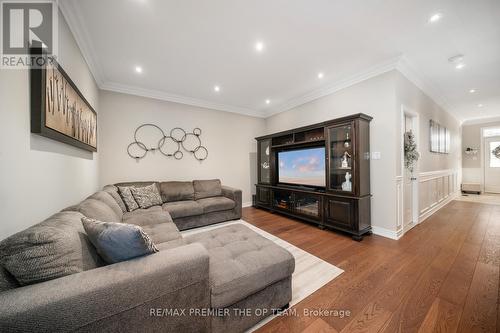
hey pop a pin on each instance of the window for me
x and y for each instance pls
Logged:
(494, 160)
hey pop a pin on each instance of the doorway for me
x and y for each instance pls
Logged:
(491, 164)
(409, 122)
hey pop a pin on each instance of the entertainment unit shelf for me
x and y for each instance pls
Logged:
(340, 201)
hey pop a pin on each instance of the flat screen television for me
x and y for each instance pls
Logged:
(302, 167)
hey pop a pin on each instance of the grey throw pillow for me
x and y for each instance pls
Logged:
(117, 242)
(128, 198)
(147, 196)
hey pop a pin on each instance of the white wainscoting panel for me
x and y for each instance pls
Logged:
(399, 205)
(436, 189)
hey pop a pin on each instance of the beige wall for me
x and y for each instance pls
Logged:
(438, 174)
(415, 100)
(40, 176)
(375, 97)
(471, 137)
(228, 137)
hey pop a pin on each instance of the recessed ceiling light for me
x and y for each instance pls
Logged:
(460, 65)
(138, 69)
(268, 101)
(435, 17)
(216, 88)
(480, 105)
(472, 91)
(259, 46)
(320, 75)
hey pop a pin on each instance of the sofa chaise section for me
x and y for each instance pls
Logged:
(115, 298)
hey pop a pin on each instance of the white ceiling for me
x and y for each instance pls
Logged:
(186, 47)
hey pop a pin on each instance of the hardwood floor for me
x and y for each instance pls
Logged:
(442, 276)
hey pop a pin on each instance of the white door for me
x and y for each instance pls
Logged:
(491, 165)
(409, 183)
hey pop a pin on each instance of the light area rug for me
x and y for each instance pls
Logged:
(311, 273)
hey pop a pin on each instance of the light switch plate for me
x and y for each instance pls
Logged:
(376, 155)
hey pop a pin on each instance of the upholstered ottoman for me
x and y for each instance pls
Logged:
(250, 276)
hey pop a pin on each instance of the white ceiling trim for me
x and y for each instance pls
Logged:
(164, 96)
(71, 13)
(331, 88)
(481, 120)
(407, 69)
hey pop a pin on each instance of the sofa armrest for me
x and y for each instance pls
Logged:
(114, 297)
(235, 195)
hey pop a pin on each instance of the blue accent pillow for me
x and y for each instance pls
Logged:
(117, 242)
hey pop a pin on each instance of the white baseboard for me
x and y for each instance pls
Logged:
(392, 234)
(437, 207)
(247, 204)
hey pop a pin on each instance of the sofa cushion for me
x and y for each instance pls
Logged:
(156, 222)
(176, 191)
(53, 248)
(207, 188)
(183, 208)
(128, 198)
(113, 191)
(242, 262)
(163, 232)
(216, 204)
(98, 210)
(108, 200)
(151, 215)
(117, 242)
(146, 196)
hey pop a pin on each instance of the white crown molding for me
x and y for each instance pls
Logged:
(481, 120)
(331, 88)
(71, 13)
(408, 70)
(164, 96)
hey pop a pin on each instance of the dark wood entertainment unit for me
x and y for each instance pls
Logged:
(341, 203)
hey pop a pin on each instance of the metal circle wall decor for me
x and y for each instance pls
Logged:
(169, 145)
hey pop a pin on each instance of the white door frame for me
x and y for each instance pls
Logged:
(405, 111)
(483, 156)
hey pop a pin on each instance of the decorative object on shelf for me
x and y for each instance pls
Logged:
(411, 153)
(496, 152)
(59, 111)
(440, 138)
(346, 142)
(347, 185)
(267, 151)
(265, 165)
(178, 138)
(345, 161)
(471, 151)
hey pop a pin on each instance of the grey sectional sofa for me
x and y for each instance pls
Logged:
(225, 279)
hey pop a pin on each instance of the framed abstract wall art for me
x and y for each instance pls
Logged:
(439, 138)
(59, 111)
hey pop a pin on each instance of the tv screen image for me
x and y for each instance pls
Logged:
(302, 167)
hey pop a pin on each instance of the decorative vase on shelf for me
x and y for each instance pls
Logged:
(346, 142)
(347, 185)
(345, 161)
